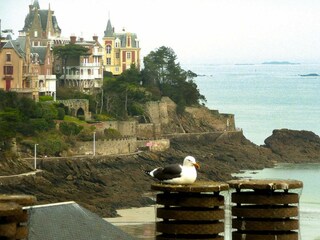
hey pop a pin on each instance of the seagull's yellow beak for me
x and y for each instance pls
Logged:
(196, 165)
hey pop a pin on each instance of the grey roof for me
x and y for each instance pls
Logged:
(122, 37)
(41, 50)
(43, 17)
(17, 45)
(70, 221)
(109, 30)
(36, 4)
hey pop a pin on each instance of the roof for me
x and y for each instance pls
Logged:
(43, 17)
(70, 221)
(109, 30)
(42, 51)
(123, 36)
(18, 45)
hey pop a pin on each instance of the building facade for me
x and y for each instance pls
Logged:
(19, 72)
(84, 73)
(120, 50)
(42, 25)
(27, 62)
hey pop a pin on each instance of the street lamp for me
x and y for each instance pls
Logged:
(35, 156)
(94, 143)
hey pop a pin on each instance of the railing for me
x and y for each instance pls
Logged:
(47, 77)
(23, 90)
(97, 53)
(90, 64)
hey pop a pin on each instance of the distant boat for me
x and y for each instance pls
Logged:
(310, 75)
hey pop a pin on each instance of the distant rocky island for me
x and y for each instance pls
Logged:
(310, 75)
(280, 63)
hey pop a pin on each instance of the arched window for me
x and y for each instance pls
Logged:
(108, 49)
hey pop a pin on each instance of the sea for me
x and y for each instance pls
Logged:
(263, 97)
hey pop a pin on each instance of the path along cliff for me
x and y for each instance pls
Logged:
(106, 183)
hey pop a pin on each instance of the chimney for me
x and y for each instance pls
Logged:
(73, 39)
(95, 38)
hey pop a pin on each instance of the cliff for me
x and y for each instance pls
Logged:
(106, 183)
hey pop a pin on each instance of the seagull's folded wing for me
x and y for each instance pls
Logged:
(168, 172)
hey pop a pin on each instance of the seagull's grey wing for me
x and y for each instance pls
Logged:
(168, 172)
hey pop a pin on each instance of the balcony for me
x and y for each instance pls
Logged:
(90, 64)
(23, 90)
(47, 77)
(97, 53)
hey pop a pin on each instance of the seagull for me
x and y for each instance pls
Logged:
(177, 173)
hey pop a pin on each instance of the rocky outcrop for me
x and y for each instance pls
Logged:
(294, 146)
(192, 120)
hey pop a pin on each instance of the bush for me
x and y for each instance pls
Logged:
(52, 146)
(45, 98)
(111, 133)
(61, 113)
(70, 128)
(85, 135)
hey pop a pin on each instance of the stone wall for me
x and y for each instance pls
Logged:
(149, 131)
(154, 145)
(126, 128)
(106, 147)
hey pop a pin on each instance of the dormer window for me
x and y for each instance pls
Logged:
(129, 41)
(117, 42)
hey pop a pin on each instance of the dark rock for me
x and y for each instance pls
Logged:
(294, 146)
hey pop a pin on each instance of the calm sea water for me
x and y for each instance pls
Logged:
(263, 98)
(309, 174)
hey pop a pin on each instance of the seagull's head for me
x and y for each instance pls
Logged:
(190, 161)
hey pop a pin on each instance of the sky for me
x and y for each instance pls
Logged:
(199, 31)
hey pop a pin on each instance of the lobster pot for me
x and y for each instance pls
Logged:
(193, 211)
(14, 219)
(265, 209)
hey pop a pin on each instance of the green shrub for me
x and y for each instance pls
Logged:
(70, 128)
(61, 113)
(111, 133)
(45, 98)
(85, 135)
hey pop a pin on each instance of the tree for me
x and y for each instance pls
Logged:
(124, 93)
(163, 76)
(68, 51)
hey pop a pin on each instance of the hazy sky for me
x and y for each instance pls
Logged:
(199, 31)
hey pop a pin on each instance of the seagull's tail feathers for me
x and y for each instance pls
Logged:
(147, 172)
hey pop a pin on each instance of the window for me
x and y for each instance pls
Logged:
(128, 55)
(108, 61)
(129, 41)
(7, 70)
(8, 57)
(117, 42)
(117, 55)
(108, 49)
(35, 34)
